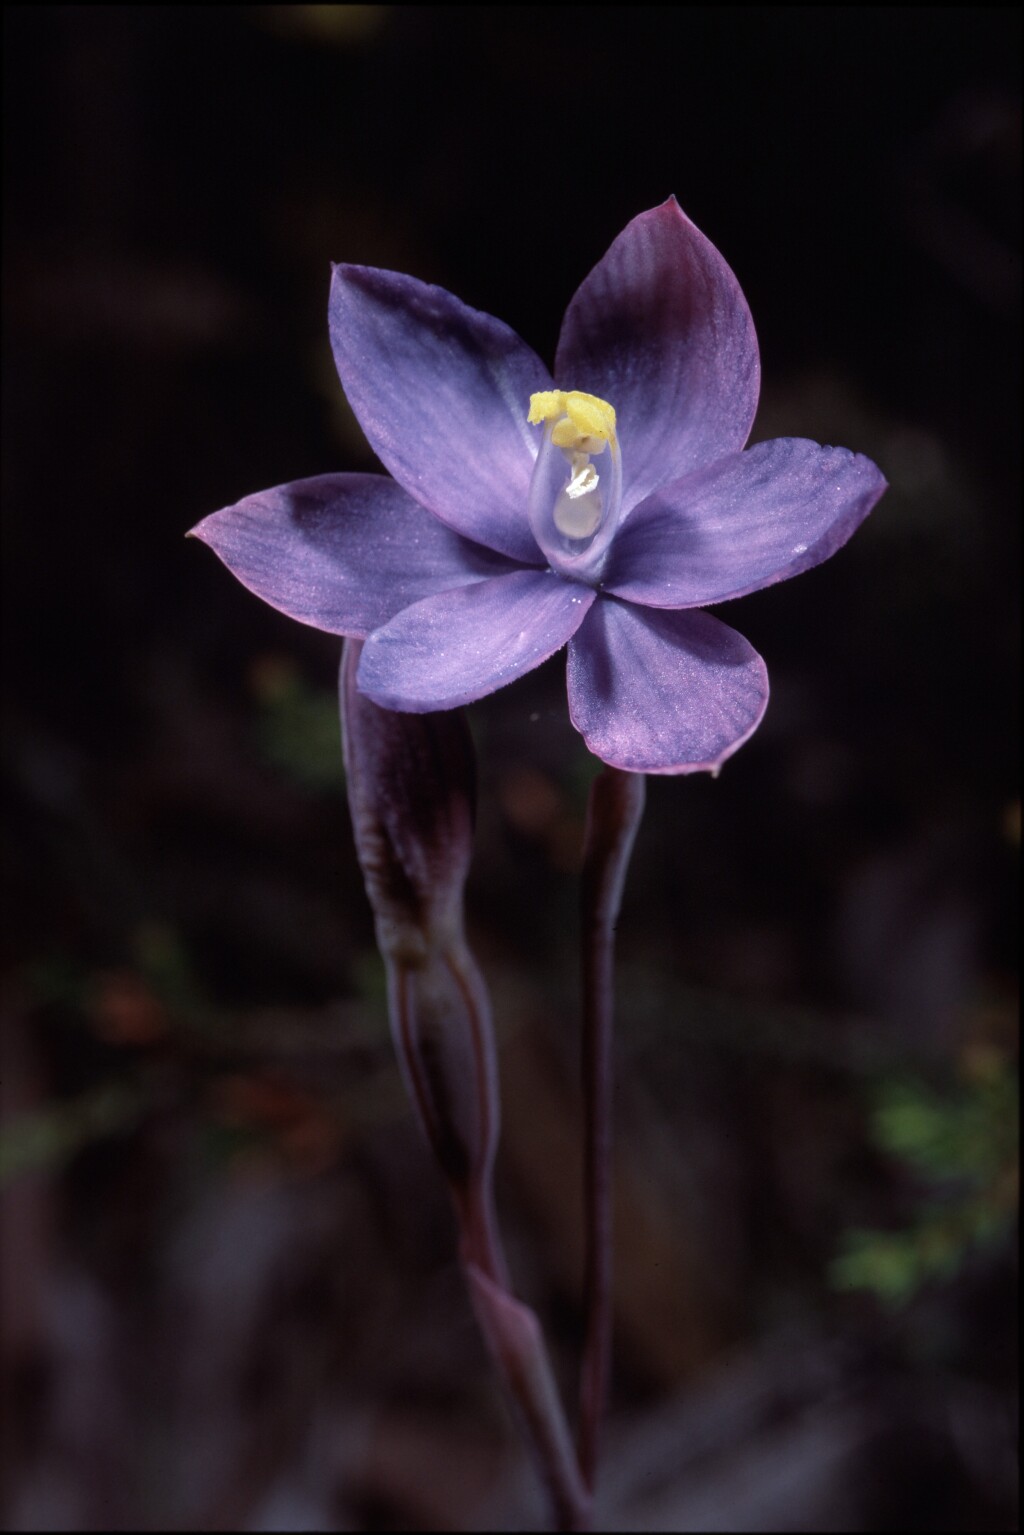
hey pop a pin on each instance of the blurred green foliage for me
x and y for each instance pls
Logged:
(963, 1146)
(297, 726)
(51, 1136)
(127, 1007)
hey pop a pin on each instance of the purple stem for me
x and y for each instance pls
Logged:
(410, 791)
(510, 1329)
(613, 817)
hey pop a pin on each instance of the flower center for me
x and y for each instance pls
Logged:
(573, 499)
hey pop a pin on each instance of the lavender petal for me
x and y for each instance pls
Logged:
(661, 330)
(442, 393)
(750, 520)
(342, 552)
(449, 649)
(657, 692)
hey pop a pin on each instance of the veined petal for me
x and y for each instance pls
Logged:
(450, 649)
(750, 520)
(660, 329)
(656, 692)
(442, 392)
(342, 552)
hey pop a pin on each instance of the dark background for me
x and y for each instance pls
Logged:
(230, 1296)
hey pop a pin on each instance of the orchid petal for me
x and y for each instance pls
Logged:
(442, 393)
(655, 692)
(661, 330)
(746, 522)
(342, 552)
(448, 650)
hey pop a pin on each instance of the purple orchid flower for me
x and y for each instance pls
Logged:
(602, 509)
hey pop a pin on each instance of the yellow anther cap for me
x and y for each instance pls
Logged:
(583, 415)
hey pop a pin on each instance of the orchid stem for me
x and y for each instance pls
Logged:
(510, 1329)
(411, 792)
(613, 818)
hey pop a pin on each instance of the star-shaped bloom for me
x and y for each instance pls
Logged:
(601, 509)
